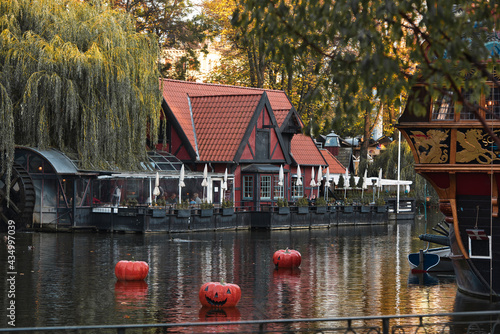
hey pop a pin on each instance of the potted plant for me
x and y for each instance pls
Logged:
(283, 208)
(207, 209)
(183, 209)
(348, 205)
(159, 209)
(227, 208)
(380, 203)
(321, 205)
(303, 205)
(365, 205)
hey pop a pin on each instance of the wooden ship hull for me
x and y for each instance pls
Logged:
(458, 157)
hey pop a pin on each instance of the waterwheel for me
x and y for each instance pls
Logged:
(19, 206)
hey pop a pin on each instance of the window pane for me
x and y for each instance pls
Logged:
(493, 103)
(265, 187)
(247, 187)
(297, 191)
(467, 113)
(278, 190)
(443, 109)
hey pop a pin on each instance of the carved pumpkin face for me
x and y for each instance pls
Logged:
(287, 258)
(131, 270)
(217, 294)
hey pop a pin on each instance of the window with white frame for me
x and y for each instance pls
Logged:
(278, 190)
(265, 187)
(247, 187)
(297, 191)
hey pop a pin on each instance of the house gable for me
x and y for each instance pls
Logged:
(262, 142)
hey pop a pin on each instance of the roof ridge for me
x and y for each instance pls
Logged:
(221, 85)
(226, 95)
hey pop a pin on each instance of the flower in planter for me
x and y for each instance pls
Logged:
(227, 204)
(380, 201)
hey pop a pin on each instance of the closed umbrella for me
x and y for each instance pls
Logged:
(380, 181)
(299, 177)
(281, 177)
(327, 181)
(181, 182)
(156, 192)
(320, 177)
(312, 183)
(204, 183)
(363, 184)
(224, 183)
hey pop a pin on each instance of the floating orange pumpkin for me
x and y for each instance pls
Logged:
(131, 270)
(287, 258)
(219, 294)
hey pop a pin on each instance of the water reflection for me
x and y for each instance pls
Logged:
(68, 279)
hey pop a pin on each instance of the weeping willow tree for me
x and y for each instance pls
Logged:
(77, 77)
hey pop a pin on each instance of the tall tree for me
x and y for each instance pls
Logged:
(361, 42)
(247, 61)
(176, 26)
(78, 77)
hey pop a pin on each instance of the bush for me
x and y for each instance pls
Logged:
(281, 202)
(206, 205)
(303, 201)
(183, 205)
(320, 202)
(227, 204)
(380, 201)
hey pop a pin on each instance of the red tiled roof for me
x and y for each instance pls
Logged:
(305, 152)
(221, 123)
(335, 166)
(175, 93)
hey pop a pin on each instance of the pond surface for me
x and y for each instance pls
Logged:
(68, 278)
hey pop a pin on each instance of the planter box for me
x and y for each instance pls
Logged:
(302, 210)
(348, 209)
(381, 208)
(207, 212)
(332, 208)
(127, 212)
(321, 209)
(365, 208)
(158, 213)
(283, 210)
(227, 211)
(184, 213)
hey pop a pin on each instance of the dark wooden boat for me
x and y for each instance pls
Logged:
(457, 155)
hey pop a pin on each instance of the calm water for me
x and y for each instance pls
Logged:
(68, 279)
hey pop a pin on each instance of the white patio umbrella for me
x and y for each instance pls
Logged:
(299, 177)
(364, 184)
(181, 182)
(320, 178)
(204, 183)
(156, 192)
(379, 181)
(327, 181)
(312, 183)
(346, 182)
(281, 179)
(224, 183)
